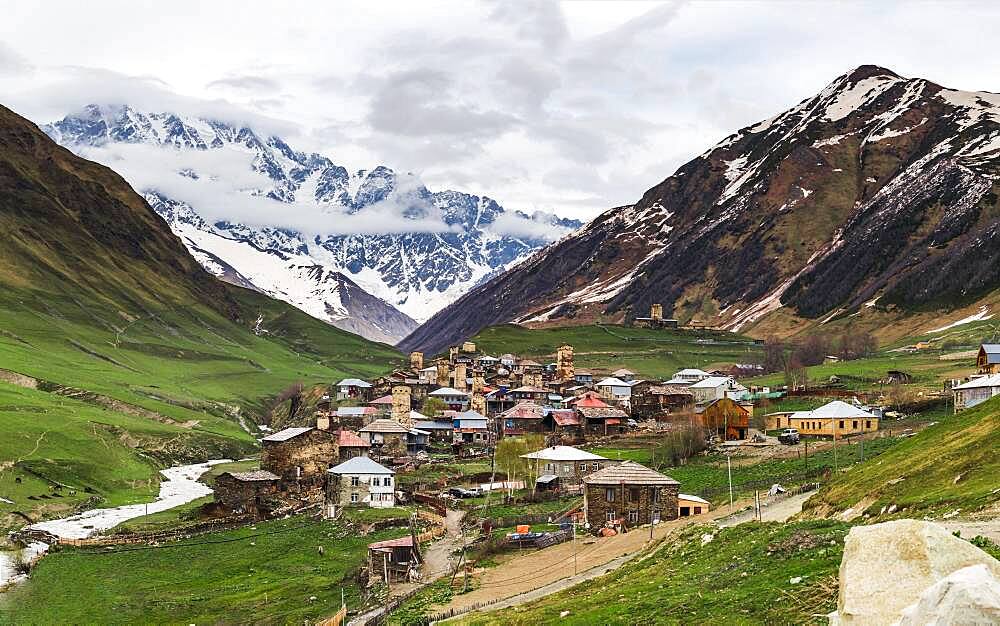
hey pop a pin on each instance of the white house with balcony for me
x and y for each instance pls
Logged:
(359, 482)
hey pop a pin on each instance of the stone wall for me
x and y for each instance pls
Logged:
(564, 363)
(626, 502)
(240, 496)
(401, 404)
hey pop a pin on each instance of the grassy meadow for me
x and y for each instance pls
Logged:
(654, 354)
(283, 571)
(120, 395)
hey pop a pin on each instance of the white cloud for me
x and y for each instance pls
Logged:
(498, 98)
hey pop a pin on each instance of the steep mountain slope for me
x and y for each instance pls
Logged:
(335, 234)
(118, 351)
(875, 198)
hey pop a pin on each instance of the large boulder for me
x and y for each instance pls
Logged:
(969, 596)
(887, 567)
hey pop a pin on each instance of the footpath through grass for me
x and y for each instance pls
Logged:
(271, 573)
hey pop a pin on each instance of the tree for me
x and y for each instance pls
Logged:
(509, 452)
(434, 406)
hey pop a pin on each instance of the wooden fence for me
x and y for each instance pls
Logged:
(437, 504)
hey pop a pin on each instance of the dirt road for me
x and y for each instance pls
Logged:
(568, 563)
(779, 509)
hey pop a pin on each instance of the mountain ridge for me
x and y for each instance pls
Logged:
(452, 241)
(784, 219)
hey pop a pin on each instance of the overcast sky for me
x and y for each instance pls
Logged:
(572, 107)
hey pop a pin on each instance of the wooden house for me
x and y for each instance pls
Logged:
(976, 390)
(688, 505)
(394, 560)
(727, 419)
(602, 420)
(988, 359)
(354, 389)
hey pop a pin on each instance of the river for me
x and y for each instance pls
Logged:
(179, 486)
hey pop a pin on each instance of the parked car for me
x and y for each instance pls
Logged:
(459, 492)
(789, 436)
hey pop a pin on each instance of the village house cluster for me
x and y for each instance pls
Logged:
(464, 403)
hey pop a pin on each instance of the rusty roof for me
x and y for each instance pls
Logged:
(254, 476)
(350, 440)
(628, 473)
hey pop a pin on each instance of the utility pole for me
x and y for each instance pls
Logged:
(729, 464)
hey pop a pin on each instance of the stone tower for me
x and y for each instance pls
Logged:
(461, 373)
(401, 405)
(468, 347)
(416, 361)
(478, 381)
(564, 362)
(531, 379)
(656, 312)
(478, 403)
(452, 353)
(443, 374)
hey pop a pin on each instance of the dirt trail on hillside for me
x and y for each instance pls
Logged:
(570, 561)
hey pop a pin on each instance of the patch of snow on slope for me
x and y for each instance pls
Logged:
(983, 314)
(858, 95)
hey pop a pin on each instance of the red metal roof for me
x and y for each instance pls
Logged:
(383, 400)
(566, 418)
(349, 440)
(402, 542)
(523, 410)
(590, 400)
(613, 420)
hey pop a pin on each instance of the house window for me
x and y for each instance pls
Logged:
(868, 423)
(697, 510)
(609, 494)
(354, 496)
(841, 424)
(633, 517)
(610, 516)
(656, 495)
(854, 424)
(633, 494)
(567, 468)
(355, 481)
(550, 468)
(596, 466)
(388, 481)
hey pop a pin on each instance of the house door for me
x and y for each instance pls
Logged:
(685, 511)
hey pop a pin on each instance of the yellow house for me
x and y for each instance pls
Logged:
(691, 505)
(834, 419)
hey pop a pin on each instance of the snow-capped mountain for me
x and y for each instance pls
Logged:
(871, 202)
(311, 232)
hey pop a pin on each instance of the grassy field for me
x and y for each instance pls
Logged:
(951, 465)
(271, 573)
(118, 399)
(742, 575)
(651, 353)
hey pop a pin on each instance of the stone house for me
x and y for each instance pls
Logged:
(602, 420)
(651, 401)
(356, 416)
(524, 417)
(351, 445)
(628, 495)
(614, 389)
(359, 482)
(253, 493)
(387, 438)
(299, 456)
(534, 394)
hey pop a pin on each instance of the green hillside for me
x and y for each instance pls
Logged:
(952, 465)
(119, 354)
(740, 575)
(650, 353)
